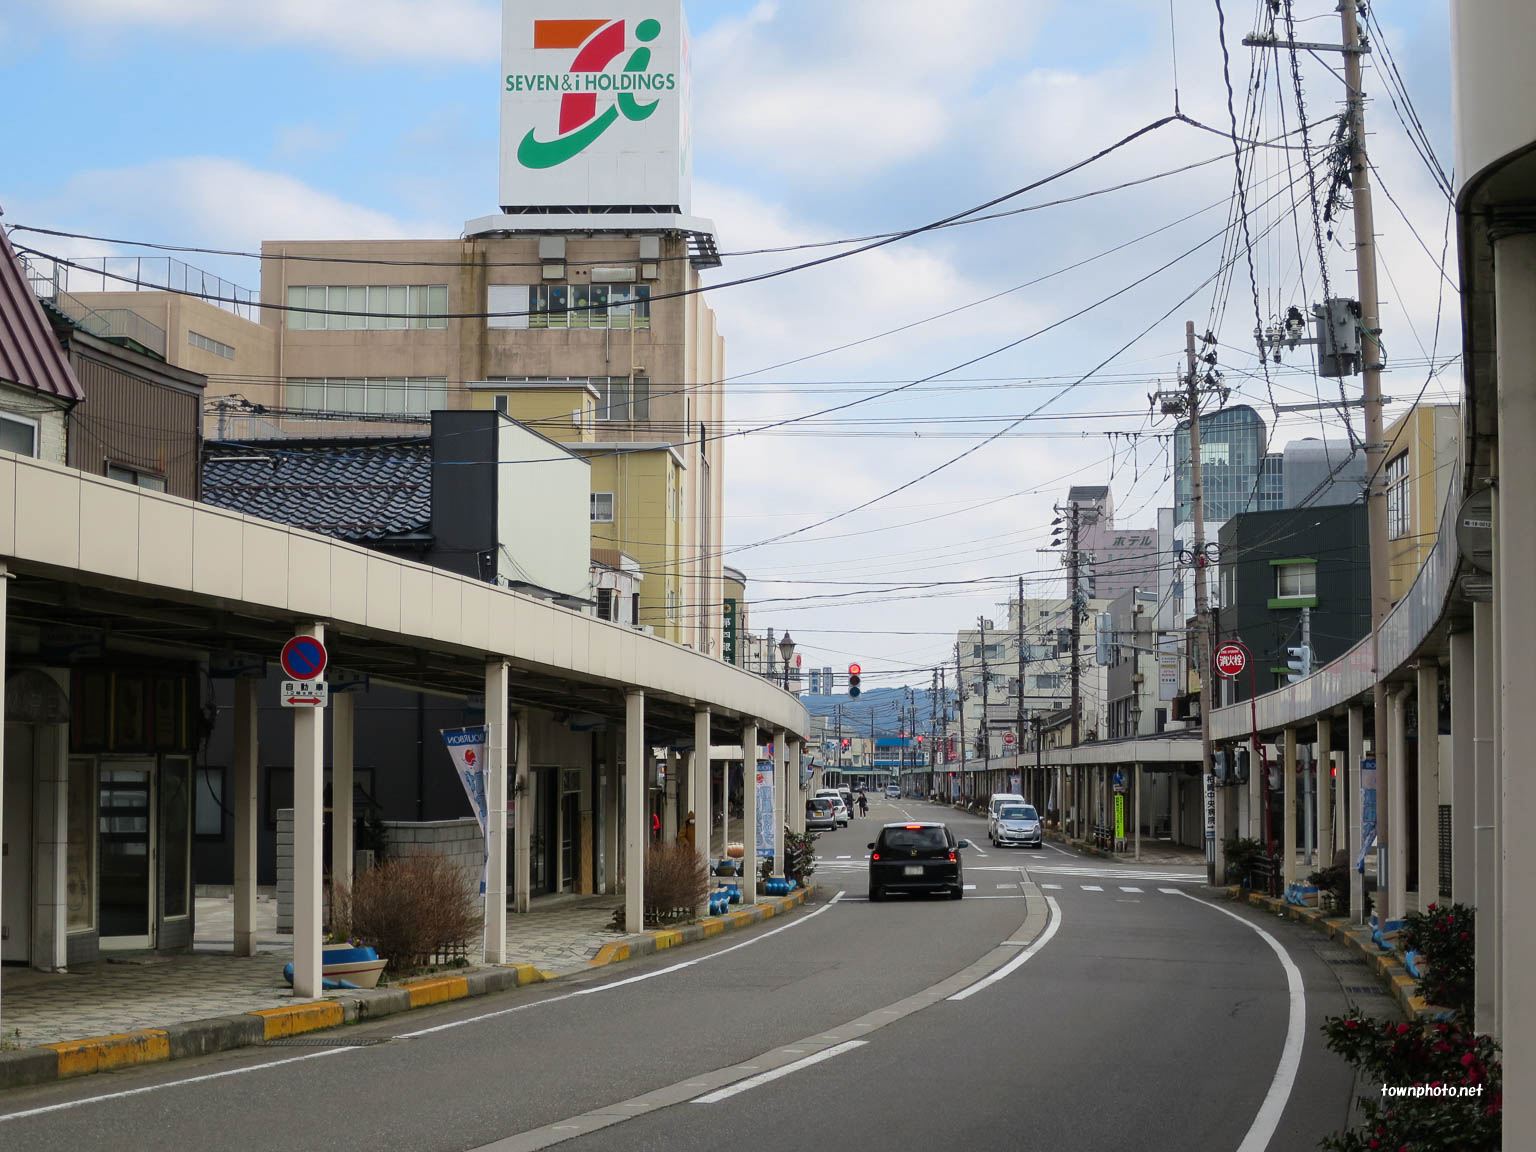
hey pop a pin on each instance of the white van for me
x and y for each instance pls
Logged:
(997, 801)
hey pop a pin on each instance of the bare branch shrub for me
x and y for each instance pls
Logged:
(676, 881)
(408, 908)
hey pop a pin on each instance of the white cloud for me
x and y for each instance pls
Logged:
(849, 88)
(413, 29)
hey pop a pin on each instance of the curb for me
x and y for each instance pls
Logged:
(1388, 966)
(71, 1058)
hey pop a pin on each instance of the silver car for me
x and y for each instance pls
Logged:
(820, 814)
(1017, 824)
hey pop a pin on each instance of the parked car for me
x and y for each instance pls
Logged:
(847, 795)
(997, 800)
(921, 857)
(1017, 824)
(843, 812)
(820, 814)
(893, 791)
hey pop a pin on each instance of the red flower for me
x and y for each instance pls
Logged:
(1466, 1059)
(1402, 1029)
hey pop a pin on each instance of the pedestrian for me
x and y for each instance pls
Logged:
(863, 803)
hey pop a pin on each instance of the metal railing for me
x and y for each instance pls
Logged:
(144, 273)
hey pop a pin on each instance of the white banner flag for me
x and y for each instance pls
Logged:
(466, 747)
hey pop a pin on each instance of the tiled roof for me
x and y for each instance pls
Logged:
(359, 490)
(29, 353)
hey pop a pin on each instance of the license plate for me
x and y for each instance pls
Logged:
(913, 869)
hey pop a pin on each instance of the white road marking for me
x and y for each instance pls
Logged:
(1268, 1117)
(1090, 888)
(765, 1077)
(1170, 891)
(427, 1031)
(156, 1087)
(1000, 885)
(1045, 938)
(850, 857)
(970, 887)
(1056, 887)
(1126, 888)
(1063, 851)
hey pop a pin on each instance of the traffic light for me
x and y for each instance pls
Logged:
(853, 680)
(1219, 767)
(1298, 662)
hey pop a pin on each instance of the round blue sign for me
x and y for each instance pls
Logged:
(303, 658)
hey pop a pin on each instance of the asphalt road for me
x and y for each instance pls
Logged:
(1152, 1018)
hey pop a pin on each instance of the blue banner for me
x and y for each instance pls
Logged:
(1367, 809)
(466, 747)
(765, 821)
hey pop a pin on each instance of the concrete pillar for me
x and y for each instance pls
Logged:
(523, 806)
(1136, 811)
(308, 809)
(780, 774)
(496, 811)
(243, 798)
(1288, 812)
(1397, 799)
(50, 847)
(749, 812)
(1427, 693)
(343, 709)
(671, 816)
(1463, 769)
(1355, 755)
(1255, 794)
(5, 579)
(636, 828)
(586, 849)
(794, 795)
(609, 787)
(1485, 863)
(1324, 763)
(704, 826)
(1514, 849)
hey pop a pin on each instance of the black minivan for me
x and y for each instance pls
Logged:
(916, 858)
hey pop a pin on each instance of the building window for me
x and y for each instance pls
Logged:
(372, 306)
(586, 306)
(18, 434)
(501, 403)
(1047, 682)
(1298, 579)
(367, 395)
(622, 399)
(134, 476)
(208, 804)
(1397, 496)
(209, 344)
(605, 602)
(602, 509)
(507, 305)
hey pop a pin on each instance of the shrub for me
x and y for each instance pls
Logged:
(408, 908)
(799, 856)
(1429, 1054)
(1243, 854)
(1335, 882)
(676, 881)
(1445, 938)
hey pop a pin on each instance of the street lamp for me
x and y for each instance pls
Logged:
(786, 650)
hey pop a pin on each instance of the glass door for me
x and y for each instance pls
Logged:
(125, 823)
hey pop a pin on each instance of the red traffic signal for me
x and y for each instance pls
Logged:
(854, 669)
(853, 680)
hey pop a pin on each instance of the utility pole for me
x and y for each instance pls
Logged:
(960, 710)
(1185, 405)
(1018, 728)
(984, 737)
(944, 707)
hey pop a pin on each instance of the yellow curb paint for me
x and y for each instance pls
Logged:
(666, 938)
(82, 1057)
(609, 954)
(438, 991)
(528, 974)
(740, 918)
(548, 976)
(713, 926)
(299, 1018)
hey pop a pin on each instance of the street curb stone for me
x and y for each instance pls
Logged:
(50, 1062)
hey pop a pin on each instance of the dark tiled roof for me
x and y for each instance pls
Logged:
(29, 352)
(358, 490)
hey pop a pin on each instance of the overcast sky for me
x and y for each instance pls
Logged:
(223, 123)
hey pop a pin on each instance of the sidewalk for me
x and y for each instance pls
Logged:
(133, 1007)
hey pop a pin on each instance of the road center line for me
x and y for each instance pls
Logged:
(764, 1077)
(1044, 939)
(1268, 1117)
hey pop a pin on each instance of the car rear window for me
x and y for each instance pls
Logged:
(1017, 812)
(819, 804)
(919, 839)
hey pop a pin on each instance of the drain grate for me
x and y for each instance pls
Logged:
(1346, 960)
(1365, 989)
(324, 1042)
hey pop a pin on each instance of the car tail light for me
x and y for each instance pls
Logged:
(876, 856)
(951, 857)
(914, 825)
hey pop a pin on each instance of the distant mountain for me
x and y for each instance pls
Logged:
(885, 705)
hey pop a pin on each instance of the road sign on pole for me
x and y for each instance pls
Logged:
(1007, 737)
(304, 658)
(305, 694)
(1230, 660)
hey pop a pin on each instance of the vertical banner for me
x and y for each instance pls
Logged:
(466, 747)
(1367, 810)
(1210, 807)
(1119, 815)
(766, 838)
